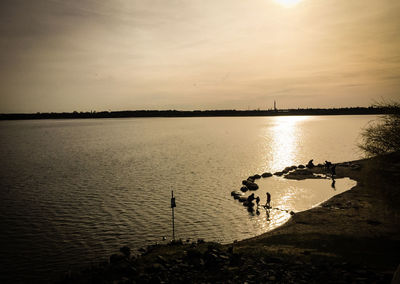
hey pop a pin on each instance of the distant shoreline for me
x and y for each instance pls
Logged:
(194, 113)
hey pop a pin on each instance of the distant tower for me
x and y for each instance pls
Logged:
(274, 105)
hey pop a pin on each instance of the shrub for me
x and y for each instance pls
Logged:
(382, 136)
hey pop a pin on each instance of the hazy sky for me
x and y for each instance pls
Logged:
(196, 54)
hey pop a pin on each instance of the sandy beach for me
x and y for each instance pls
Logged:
(353, 237)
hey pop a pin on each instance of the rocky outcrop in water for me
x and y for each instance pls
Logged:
(237, 194)
(244, 189)
(266, 174)
(301, 174)
(251, 185)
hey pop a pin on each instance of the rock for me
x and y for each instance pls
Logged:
(274, 260)
(244, 182)
(287, 169)
(116, 258)
(373, 222)
(278, 174)
(157, 267)
(244, 189)
(236, 194)
(235, 259)
(301, 166)
(250, 179)
(195, 258)
(256, 176)
(126, 251)
(242, 198)
(211, 260)
(292, 213)
(224, 258)
(252, 186)
(302, 174)
(266, 174)
(124, 280)
(161, 259)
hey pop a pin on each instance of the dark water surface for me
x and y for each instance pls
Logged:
(74, 191)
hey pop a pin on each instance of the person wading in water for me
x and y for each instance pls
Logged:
(268, 204)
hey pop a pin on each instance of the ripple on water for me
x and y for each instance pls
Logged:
(74, 191)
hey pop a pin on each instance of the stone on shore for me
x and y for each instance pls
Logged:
(256, 176)
(244, 189)
(266, 174)
(242, 199)
(252, 186)
(300, 174)
(287, 169)
(236, 194)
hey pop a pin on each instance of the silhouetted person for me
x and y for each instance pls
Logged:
(310, 164)
(258, 200)
(251, 197)
(267, 213)
(333, 170)
(268, 204)
(328, 165)
(333, 184)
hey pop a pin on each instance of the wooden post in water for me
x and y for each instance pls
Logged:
(173, 205)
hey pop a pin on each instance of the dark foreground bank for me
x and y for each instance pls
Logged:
(353, 237)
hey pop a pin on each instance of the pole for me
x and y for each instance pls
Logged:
(173, 205)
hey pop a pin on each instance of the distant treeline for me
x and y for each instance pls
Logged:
(195, 113)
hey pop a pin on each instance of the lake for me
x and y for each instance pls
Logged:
(75, 191)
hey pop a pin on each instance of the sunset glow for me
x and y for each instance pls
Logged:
(228, 54)
(288, 3)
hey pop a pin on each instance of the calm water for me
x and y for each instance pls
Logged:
(73, 191)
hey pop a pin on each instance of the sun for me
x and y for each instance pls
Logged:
(288, 3)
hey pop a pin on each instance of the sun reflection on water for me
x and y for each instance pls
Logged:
(286, 140)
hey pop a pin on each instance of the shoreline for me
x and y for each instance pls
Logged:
(368, 211)
(195, 113)
(352, 237)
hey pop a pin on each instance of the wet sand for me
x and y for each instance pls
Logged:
(354, 237)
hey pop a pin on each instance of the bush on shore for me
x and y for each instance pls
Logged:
(383, 135)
